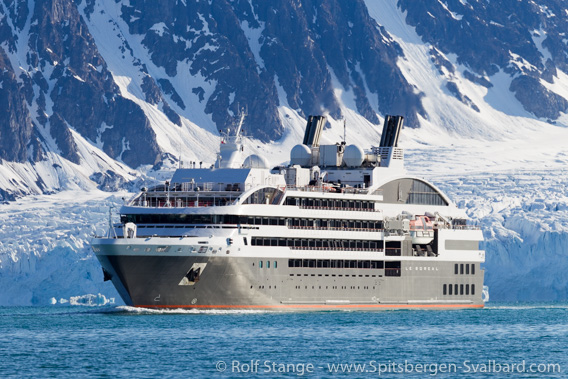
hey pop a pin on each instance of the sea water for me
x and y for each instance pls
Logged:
(529, 340)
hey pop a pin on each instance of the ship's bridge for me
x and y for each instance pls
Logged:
(206, 187)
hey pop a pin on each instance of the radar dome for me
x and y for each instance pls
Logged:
(255, 161)
(300, 155)
(353, 156)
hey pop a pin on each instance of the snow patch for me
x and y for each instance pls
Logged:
(254, 37)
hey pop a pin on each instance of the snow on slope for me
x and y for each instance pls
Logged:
(197, 138)
(53, 173)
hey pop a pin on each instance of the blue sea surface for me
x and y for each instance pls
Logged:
(79, 341)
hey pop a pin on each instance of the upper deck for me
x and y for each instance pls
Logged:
(335, 177)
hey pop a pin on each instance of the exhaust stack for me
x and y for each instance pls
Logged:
(313, 130)
(391, 155)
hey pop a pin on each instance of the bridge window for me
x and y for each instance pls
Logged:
(422, 193)
(267, 195)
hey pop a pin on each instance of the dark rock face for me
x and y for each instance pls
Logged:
(537, 99)
(154, 96)
(477, 79)
(64, 139)
(108, 181)
(510, 35)
(454, 90)
(250, 48)
(64, 69)
(246, 49)
(15, 122)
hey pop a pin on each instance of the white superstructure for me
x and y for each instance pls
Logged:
(339, 226)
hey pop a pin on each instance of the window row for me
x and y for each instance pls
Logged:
(458, 289)
(392, 268)
(336, 287)
(464, 269)
(318, 243)
(179, 219)
(337, 204)
(297, 223)
(267, 265)
(206, 219)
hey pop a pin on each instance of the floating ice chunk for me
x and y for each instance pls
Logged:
(91, 300)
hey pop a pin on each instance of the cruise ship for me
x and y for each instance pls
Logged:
(338, 228)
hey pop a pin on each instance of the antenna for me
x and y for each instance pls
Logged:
(243, 114)
(179, 140)
(344, 129)
(111, 230)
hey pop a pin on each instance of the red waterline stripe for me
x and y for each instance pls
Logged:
(279, 306)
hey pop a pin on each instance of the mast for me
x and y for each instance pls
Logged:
(231, 147)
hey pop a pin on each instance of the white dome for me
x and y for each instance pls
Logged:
(255, 161)
(353, 156)
(301, 155)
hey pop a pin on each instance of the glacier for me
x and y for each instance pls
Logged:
(524, 218)
(45, 253)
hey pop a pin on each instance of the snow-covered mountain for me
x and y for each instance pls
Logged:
(92, 90)
(95, 93)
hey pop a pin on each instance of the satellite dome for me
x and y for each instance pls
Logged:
(301, 155)
(353, 156)
(255, 161)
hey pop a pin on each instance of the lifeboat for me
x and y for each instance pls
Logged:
(421, 230)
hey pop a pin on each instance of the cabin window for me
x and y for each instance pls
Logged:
(393, 248)
(450, 288)
(444, 289)
(392, 268)
(473, 269)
